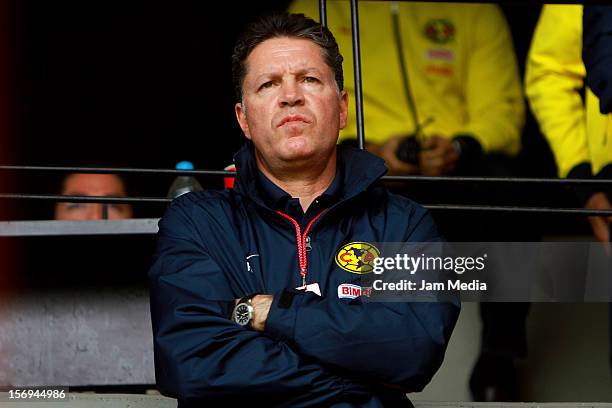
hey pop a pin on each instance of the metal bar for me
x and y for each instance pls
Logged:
(89, 227)
(538, 210)
(357, 70)
(517, 180)
(527, 180)
(517, 2)
(323, 12)
(84, 199)
(119, 170)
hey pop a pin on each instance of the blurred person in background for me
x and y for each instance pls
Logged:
(568, 111)
(597, 57)
(597, 53)
(443, 75)
(442, 97)
(104, 185)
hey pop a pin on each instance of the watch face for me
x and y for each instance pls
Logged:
(242, 314)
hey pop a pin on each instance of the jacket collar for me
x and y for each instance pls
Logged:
(277, 198)
(358, 170)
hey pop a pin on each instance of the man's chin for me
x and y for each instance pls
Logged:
(297, 155)
(297, 149)
(306, 151)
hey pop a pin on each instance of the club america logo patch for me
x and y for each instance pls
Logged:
(440, 31)
(357, 257)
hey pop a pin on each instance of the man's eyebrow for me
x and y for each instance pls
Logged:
(300, 71)
(311, 69)
(263, 76)
(307, 70)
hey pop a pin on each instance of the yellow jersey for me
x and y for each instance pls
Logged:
(459, 60)
(576, 132)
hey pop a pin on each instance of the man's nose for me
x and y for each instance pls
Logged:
(291, 94)
(97, 212)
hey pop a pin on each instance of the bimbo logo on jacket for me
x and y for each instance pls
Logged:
(349, 291)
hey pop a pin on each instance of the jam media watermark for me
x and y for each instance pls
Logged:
(423, 285)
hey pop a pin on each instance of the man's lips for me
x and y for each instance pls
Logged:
(293, 119)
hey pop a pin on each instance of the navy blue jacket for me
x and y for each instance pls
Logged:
(597, 53)
(217, 246)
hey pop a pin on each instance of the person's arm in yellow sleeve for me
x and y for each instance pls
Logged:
(554, 78)
(495, 102)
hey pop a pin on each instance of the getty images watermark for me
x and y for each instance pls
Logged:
(477, 271)
(411, 265)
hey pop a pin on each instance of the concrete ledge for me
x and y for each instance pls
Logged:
(88, 227)
(94, 401)
(156, 401)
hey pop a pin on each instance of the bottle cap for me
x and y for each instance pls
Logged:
(184, 165)
(229, 181)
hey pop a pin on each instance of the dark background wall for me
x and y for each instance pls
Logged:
(128, 83)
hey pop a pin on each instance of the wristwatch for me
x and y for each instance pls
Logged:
(243, 312)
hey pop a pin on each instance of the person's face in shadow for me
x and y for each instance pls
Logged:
(93, 185)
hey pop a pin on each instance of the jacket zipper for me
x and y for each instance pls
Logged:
(303, 241)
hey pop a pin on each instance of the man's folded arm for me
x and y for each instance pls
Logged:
(392, 343)
(200, 354)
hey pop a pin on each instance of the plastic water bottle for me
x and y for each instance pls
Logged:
(184, 184)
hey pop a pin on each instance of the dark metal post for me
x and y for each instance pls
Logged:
(323, 12)
(357, 66)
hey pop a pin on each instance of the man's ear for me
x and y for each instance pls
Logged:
(343, 109)
(242, 119)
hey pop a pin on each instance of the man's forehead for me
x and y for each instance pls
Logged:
(296, 53)
(88, 183)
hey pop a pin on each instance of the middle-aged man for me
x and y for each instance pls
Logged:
(245, 287)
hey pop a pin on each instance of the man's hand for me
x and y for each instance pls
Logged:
(261, 308)
(386, 151)
(600, 224)
(438, 157)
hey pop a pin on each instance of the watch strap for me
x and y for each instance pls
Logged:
(248, 298)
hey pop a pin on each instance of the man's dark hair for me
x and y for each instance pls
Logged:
(284, 25)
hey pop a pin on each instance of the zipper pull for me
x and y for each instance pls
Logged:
(308, 246)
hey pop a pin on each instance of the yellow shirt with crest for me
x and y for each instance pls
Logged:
(461, 68)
